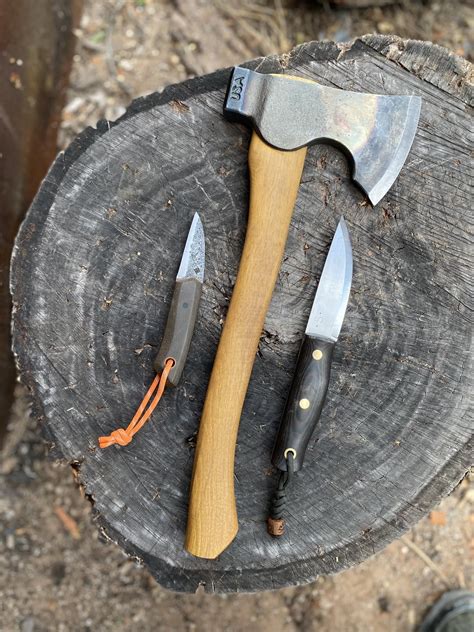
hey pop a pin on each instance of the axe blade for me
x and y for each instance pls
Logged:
(375, 131)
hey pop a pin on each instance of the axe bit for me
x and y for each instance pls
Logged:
(287, 113)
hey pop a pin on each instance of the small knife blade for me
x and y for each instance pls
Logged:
(311, 379)
(184, 304)
(192, 261)
(332, 294)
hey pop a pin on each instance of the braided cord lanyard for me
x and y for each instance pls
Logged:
(123, 436)
(275, 521)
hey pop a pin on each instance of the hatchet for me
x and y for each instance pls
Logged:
(287, 114)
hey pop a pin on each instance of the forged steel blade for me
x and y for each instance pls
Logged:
(192, 261)
(332, 295)
(376, 130)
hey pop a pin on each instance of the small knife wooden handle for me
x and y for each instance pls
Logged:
(179, 327)
(274, 180)
(305, 401)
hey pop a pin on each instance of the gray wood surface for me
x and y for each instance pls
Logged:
(92, 281)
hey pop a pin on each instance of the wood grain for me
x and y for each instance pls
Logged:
(92, 280)
(274, 180)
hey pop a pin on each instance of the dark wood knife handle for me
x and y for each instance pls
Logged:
(179, 327)
(305, 401)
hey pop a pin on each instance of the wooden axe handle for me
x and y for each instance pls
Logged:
(274, 180)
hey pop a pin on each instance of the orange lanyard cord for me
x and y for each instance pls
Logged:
(123, 436)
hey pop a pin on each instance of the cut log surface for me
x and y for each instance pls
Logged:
(92, 280)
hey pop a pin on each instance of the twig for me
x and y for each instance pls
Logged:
(109, 47)
(18, 428)
(427, 560)
(69, 523)
(461, 580)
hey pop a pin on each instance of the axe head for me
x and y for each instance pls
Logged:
(375, 131)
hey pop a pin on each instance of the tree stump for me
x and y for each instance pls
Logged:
(92, 279)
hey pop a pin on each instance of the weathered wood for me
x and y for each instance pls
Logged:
(36, 48)
(93, 274)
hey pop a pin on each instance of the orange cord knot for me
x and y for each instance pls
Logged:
(123, 436)
(119, 436)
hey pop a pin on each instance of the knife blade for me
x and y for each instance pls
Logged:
(310, 383)
(184, 304)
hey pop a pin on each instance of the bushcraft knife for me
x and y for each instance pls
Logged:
(311, 379)
(169, 362)
(184, 304)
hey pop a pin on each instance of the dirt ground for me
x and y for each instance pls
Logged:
(127, 48)
(55, 572)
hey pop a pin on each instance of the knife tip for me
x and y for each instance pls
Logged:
(342, 226)
(196, 219)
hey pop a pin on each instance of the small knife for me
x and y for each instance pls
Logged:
(311, 379)
(169, 362)
(184, 304)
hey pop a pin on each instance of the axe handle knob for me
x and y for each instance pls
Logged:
(274, 180)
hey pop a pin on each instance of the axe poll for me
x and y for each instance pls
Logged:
(287, 114)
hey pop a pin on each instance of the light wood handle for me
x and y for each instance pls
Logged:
(274, 180)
